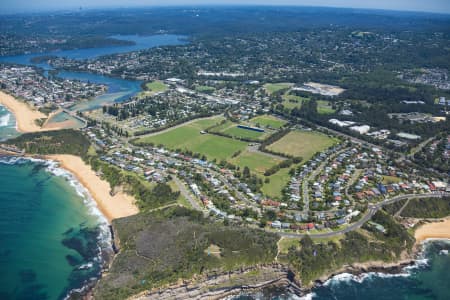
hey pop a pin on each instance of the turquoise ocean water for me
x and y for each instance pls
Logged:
(7, 124)
(428, 279)
(53, 239)
(52, 236)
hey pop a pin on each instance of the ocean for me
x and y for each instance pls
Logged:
(428, 279)
(53, 239)
(7, 124)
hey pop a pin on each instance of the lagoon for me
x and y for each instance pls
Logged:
(118, 89)
(52, 236)
(141, 43)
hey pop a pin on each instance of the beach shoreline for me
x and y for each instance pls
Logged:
(433, 230)
(111, 206)
(25, 116)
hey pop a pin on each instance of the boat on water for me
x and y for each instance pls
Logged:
(443, 252)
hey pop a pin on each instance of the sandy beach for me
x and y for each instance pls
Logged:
(25, 116)
(435, 230)
(117, 206)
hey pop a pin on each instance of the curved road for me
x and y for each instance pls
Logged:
(371, 211)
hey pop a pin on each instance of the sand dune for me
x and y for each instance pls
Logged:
(117, 206)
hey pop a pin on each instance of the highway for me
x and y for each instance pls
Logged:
(371, 211)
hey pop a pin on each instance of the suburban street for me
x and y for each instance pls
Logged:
(185, 193)
(371, 211)
(305, 183)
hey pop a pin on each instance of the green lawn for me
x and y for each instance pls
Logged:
(291, 101)
(188, 137)
(156, 86)
(257, 162)
(204, 89)
(243, 133)
(390, 179)
(231, 128)
(294, 103)
(302, 143)
(222, 127)
(275, 87)
(205, 123)
(296, 143)
(268, 121)
(181, 199)
(285, 243)
(324, 107)
(277, 183)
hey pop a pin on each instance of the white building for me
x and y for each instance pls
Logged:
(363, 129)
(408, 136)
(346, 112)
(341, 123)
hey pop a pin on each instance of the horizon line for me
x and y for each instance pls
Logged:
(104, 8)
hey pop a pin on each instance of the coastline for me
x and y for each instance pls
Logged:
(112, 206)
(105, 240)
(428, 232)
(24, 115)
(122, 205)
(434, 230)
(203, 288)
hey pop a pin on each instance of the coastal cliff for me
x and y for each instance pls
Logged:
(223, 285)
(253, 279)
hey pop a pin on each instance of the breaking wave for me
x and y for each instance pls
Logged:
(4, 120)
(104, 235)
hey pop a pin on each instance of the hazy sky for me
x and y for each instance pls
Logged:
(13, 6)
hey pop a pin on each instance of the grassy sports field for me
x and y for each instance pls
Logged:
(268, 121)
(277, 183)
(324, 107)
(231, 128)
(302, 143)
(152, 88)
(188, 137)
(156, 86)
(258, 163)
(296, 143)
(275, 87)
